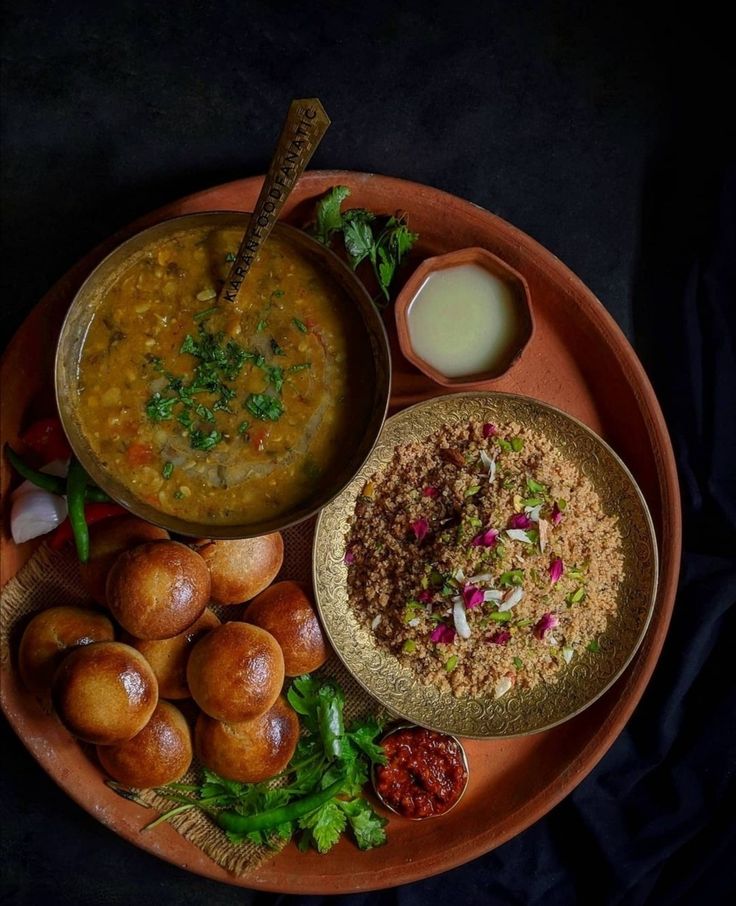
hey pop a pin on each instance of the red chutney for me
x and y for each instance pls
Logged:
(425, 774)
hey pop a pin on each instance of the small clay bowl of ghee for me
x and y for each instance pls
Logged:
(425, 774)
(464, 318)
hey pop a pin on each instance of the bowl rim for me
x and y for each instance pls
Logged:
(374, 421)
(468, 255)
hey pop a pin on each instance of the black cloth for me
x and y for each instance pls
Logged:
(604, 131)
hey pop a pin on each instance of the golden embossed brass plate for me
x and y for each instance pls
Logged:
(519, 711)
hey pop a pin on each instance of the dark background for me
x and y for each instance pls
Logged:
(603, 130)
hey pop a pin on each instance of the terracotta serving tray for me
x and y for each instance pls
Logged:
(578, 360)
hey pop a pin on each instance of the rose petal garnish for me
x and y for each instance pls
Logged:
(489, 430)
(442, 634)
(511, 598)
(485, 539)
(472, 596)
(556, 569)
(349, 558)
(519, 535)
(425, 596)
(556, 514)
(429, 491)
(420, 528)
(519, 521)
(547, 621)
(460, 619)
(502, 637)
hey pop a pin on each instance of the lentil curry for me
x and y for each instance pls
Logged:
(221, 414)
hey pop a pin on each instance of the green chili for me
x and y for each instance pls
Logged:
(244, 824)
(51, 483)
(75, 487)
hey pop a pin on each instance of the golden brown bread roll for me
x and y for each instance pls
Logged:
(235, 672)
(161, 753)
(252, 750)
(50, 635)
(168, 657)
(242, 569)
(104, 692)
(157, 590)
(107, 540)
(286, 611)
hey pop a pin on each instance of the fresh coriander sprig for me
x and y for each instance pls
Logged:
(318, 797)
(383, 241)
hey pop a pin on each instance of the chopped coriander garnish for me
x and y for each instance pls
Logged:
(300, 325)
(302, 366)
(277, 294)
(275, 348)
(159, 408)
(451, 663)
(275, 376)
(201, 441)
(262, 325)
(202, 315)
(179, 494)
(243, 427)
(167, 470)
(265, 407)
(230, 257)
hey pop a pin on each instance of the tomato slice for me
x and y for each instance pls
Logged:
(46, 439)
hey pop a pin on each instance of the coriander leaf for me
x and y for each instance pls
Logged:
(198, 440)
(275, 348)
(168, 470)
(330, 702)
(324, 825)
(359, 243)
(300, 325)
(366, 825)
(328, 217)
(265, 407)
(303, 698)
(364, 737)
(159, 408)
(293, 369)
(275, 376)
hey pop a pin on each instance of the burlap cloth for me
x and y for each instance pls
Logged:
(51, 578)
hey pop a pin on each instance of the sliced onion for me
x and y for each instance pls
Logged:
(58, 467)
(35, 513)
(511, 599)
(460, 619)
(502, 687)
(481, 577)
(519, 535)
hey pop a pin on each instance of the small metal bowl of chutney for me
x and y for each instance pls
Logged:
(425, 775)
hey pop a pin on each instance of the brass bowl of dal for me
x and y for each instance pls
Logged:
(225, 421)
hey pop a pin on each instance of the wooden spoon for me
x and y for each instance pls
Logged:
(306, 124)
